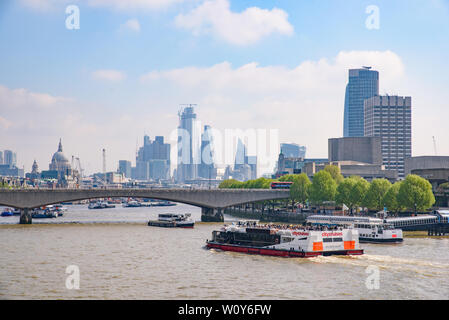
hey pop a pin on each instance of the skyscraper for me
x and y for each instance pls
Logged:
(157, 154)
(124, 167)
(207, 167)
(293, 150)
(10, 158)
(390, 117)
(363, 84)
(245, 167)
(188, 145)
(1, 157)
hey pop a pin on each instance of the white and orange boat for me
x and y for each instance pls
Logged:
(283, 241)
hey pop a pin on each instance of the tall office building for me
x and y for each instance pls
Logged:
(188, 145)
(157, 156)
(245, 167)
(124, 167)
(142, 171)
(1, 157)
(10, 158)
(293, 150)
(390, 117)
(207, 167)
(363, 84)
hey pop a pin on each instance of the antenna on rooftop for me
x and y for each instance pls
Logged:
(434, 145)
(104, 161)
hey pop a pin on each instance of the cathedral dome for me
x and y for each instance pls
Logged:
(59, 161)
(59, 157)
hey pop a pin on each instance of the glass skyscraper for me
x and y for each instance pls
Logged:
(363, 84)
(189, 144)
(293, 150)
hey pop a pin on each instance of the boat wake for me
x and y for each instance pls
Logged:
(423, 267)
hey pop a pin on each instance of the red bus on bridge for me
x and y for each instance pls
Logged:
(281, 185)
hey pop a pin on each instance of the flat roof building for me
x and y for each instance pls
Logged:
(433, 168)
(360, 149)
(353, 168)
(390, 117)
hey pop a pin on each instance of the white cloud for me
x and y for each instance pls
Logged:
(109, 75)
(21, 98)
(247, 27)
(131, 25)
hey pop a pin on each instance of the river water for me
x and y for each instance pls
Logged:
(120, 257)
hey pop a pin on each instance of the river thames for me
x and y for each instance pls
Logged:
(120, 257)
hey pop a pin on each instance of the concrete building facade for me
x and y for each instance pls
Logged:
(360, 149)
(353, 168)
(390, 117)
(433, 168)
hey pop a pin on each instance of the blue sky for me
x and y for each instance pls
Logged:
(131, 64)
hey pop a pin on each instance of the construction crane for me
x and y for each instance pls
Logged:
(104, 161)
(104, 168)
(434, 145)
(76, 164)
(81, 170)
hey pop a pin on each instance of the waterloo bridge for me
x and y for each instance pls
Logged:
(211, 201)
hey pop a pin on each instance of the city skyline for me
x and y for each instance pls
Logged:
(126, 71)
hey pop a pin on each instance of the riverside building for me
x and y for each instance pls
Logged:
(363, 84)
(390, 117)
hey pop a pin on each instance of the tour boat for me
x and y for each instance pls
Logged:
(44, 213)
(132, 204)
(100, 205)
(374, 230)
(284, 241)
(173, 220)
(7, 212)
(162, 203)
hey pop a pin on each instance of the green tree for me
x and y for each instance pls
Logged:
(416, 193)
(359, 191)
(299, 190)
(288, 178)
(323, 187)
(344, 191)
(334, 172)
(391, 198)
(230, 184)
(351, 192)
(374, 198)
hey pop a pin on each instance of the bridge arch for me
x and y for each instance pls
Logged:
(205, 198)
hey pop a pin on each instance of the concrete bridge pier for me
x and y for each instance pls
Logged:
(25, 216)
(211, 214)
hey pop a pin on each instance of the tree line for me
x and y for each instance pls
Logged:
(414, 193)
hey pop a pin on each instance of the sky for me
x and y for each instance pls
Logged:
(280, 65)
